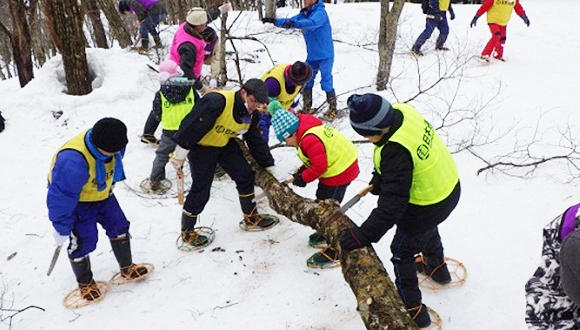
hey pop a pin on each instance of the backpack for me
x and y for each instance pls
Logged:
(425, 6)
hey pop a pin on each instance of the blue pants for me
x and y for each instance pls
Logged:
(325, 68)
(84, 235)
(149, 25)
(430, 25)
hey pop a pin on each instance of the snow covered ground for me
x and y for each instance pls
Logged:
(260, 280)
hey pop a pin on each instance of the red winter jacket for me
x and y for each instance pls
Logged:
(313, 148)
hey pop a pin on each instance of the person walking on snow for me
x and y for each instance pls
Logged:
(80, 195)
(315, 26)
(149, 14)
(436, 17)
(283, 82)
(328, 156)
(498, 15)
(174, 100)
(206, 137)
(417, 183)
(553, 292)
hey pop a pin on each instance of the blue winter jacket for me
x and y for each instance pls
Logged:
(315, 26)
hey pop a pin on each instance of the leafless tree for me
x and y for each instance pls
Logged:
(387, 38)
(20, 41)
(94, 14)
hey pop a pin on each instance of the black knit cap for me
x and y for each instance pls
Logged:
(370, 114)
(299, 73)
(109, 134)
(257, 88)
(570, 266)
(124, 6)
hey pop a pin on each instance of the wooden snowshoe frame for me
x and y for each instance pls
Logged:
(74, 300)
(205, 231)
(245, 227)
(457, 271)
(164, 187)
(118, 279)
(312, 264)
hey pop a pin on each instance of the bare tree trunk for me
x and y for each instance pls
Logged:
(116, 25)
(94, 14)
(223, 75)
(67, 21)
(41, 43)
(21, 42)
(270, 8)
(387, 39)
(378, 301)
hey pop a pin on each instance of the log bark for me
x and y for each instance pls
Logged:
(378, 301)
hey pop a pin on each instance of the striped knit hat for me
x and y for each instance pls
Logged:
(285, 123)
(370, 114)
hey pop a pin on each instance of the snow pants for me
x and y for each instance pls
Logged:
(498, 37)
(166, 146)
(430, 25)
(325, 68)
(149, 25)
(203, 162)
(84, 234)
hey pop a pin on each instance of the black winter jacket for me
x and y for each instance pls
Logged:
(174, 92)
(187, 50)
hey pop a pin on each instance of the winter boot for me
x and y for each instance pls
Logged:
(307, 100)
(254, 221)
(317, 241)
(87, 286)
(442, 48)
(435, 268)
(188, 233)
(154, 185)
(331, 114)
(420, 314)
(416, 52)
(122, 250)
(326, 258)
(158, 43)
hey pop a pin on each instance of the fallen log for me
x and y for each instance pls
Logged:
(378, 301)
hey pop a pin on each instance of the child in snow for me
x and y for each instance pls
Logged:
(418, 186)
(283, 82)
(553, 292)
(327, 156)
(149, 14)
(498, 15)
(436, 17)
(315, 26)
(174, 100)
(80, 183)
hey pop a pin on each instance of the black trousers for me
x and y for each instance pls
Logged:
(203, 162)
(335, 192)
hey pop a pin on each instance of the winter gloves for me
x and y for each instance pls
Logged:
(178, 158)
(376, 183)
(268, 20)
(474, 21)
(353, 239)
(525, 19)
(298, 181)
(59, 239)
(288, 24)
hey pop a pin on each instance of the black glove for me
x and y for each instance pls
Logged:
(473, 21)
(451, 14)
(376, 182)
(288, 24)
(526, 20)
(353, 239)
(298, 181)
(268, 20)
(198, 84)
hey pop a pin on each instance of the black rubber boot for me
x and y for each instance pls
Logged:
(87, 286)
(307, 100)
(122, 250)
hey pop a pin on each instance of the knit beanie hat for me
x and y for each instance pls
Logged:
(169, 69)
(196, 16)
(299, 73)
(109, 134)
(285, 123)
(570, 266)
(370, 114)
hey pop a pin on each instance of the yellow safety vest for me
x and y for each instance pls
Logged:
(89, 193)
(340, 151)
(443, 5)
(500, 12)
(225, 126)
(277, 73)
(434, 171)
(173, 113)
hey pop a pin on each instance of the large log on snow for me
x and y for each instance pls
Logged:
(378, 301)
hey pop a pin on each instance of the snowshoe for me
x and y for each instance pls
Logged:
(196, 239)
(317, 241)
(483, 59)
(134, 272)
(442, 48)
(416, 52)
(86, 294)
(258, 222)
(425, 317)
(325, 258)
(155, 187)
(437, 278)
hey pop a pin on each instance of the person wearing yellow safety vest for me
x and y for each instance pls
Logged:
(498, 15)
(174, 100)
(417, 183)
(328, 156)
(206, 137)
(80, 195)
(283, 82)
(436, 17)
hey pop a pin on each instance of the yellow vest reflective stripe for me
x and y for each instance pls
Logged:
(340, 151)
(89, 193)
(173, 113)
(500, 12)
(277, 73)
(434, 171)
(225, 126)
(443, 5)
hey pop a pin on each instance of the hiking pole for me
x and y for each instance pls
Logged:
(356, 198)
(263, 193)
(54, 259)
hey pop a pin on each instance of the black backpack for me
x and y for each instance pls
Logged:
(425, 6)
